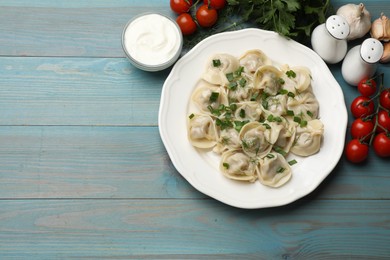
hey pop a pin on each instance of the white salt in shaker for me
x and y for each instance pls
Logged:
(361, 61)
(329, 40)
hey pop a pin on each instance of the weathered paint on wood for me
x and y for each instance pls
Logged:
(196, 229)
(84, 174)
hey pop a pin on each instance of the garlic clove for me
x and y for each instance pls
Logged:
(386, 53)
(380, 28)
(358, 18)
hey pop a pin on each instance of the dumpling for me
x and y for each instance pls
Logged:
(296, 79)
(237, 165)
(276, 104)
(202, 131)
(228, 140)
(218, 66)
(241, 90)
(308, 138)
(248, 110)
(274, 171)
(254, 140)
(267, 77)
(286, 137)
(253, 59)
(272, 131)
(304, 105)
(207, 97)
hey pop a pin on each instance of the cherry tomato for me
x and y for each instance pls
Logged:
(180, 6)
(206, 16)
(362, 106)
(186, 24)
(216, 4)
(355, 151)
(384, 98)
(367, 87)
(362, 129)
(381, 145)
(383, 121)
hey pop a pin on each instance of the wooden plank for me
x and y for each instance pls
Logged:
(62, 28)
(91, 91)
(88, 162)
(77, 91)
(82, 28)
(131, 162)
(196, 229)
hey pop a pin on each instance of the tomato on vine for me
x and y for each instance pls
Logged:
(356, 151)
(362, 129)
(186, 23)
(381, 144)
(384, 98)
(362, 106)
(206, 16)
(180, 6)
(367, 87)
(383, 121)
(216, 4)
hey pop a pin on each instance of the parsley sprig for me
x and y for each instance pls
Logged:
(291, 18)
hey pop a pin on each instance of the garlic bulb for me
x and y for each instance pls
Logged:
(380, 28)
(386, 53)
(358, 18)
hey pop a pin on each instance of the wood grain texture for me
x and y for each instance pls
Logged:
(84, 174)
(55, 28)
(197, 229)
(77, 91)
(130, 162)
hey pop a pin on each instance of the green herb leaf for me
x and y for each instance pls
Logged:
(291, 74)
(213, 97)
(216, 63)
(292, 162)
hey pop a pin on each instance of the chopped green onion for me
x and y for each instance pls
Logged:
(242, 82)
(255, 96)
(242, 113)
(297, 119)
(267, 126)
(230, 76)
(292, 162)
(233, 107)
(309, 113)
(290, 113)
(283, 91)
(291, 74)
(279, 150)
(213, 97)
(303, 123)
(280, 170)
(281, 81)
(232, 85)
(240, 124)
(238, 72)
(216, 63)
(270, 156)
(290, 94)
(226, 165)
(191, 116)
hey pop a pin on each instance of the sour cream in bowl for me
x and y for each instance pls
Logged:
(152, 41)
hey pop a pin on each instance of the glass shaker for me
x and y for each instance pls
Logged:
(329, 40)
(361, 61)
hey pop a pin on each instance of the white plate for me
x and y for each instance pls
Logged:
(200, 169)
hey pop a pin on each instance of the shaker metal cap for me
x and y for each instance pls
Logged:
(337, 26)
(371, 50)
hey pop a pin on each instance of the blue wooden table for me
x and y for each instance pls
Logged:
(84, 173)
